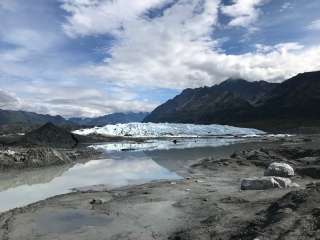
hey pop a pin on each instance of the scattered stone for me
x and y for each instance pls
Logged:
(32, 157)
(279, 170)
(263, 183)
(232, 199)
(199, 181)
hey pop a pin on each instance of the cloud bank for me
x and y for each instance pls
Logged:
(178, 48)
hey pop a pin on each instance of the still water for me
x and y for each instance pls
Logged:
(19, 188)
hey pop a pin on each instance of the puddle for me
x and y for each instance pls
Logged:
(59, 222)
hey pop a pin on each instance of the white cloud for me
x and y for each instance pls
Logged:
(89, 17)
(30, 39)
(8, 100)
(45, 98)
(176, 51)
(285, 6)
(155, 52)
(315, 25)
(243, 13)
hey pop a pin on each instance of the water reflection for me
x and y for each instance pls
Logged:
(18, 188)
(118, 170)
(167, 143)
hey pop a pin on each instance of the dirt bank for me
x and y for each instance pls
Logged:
(207, 204)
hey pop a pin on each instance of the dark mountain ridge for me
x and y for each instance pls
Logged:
(269, 106)
(22, 121)
(23, 117)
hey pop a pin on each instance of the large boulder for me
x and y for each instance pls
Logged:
(263, 183)
(280, 170)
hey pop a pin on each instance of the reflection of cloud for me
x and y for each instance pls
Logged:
(113, 173)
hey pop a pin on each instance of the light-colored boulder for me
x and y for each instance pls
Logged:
(279, 170)
(263, 183)
(283, 182)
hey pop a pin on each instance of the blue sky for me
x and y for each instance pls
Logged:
(94, 57)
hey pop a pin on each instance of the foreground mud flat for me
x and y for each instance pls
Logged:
(207, 204)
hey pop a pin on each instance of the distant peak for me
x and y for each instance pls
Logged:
(234, 80)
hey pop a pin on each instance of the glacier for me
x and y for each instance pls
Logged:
(168, 130)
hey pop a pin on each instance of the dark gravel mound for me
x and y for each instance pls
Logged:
(52, 136)
(32, 157)
(294, 216)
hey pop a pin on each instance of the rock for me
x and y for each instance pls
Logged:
(310, 171)
(97, 201)
(263, 183)
(279, 170)
(32, 157)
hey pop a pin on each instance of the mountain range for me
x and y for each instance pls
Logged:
(113, 118)
(291, 104)
(22, 121)
(269, 106)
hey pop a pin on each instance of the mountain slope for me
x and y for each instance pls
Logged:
(217, 104)
(51, 135)
(293, 103)
(28, 118)
(111, 119)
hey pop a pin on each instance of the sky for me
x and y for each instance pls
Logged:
(86, 58)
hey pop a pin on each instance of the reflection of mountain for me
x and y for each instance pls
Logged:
(15, 178)
(176, 160)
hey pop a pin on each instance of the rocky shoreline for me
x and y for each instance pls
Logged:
(17, 157)
(206, 204)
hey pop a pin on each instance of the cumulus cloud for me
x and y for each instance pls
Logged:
(83, 102)
(243, 13)
(177, 50)
(89, 17)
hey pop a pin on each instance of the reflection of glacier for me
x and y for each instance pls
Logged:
(167, 130)
(165, 144)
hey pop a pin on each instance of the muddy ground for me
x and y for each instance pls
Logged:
(206, 204)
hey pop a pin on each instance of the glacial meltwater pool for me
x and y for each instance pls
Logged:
(145, 163)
